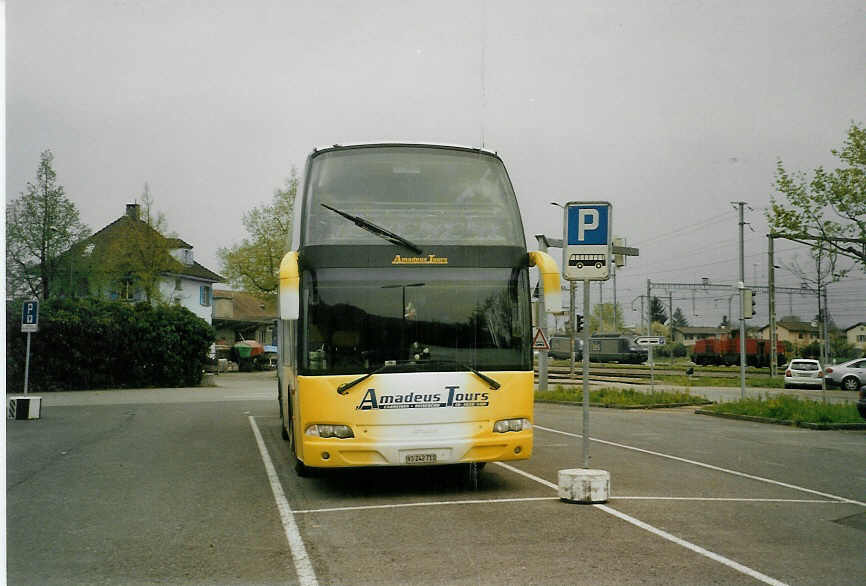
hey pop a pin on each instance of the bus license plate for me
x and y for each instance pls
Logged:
(420, 458)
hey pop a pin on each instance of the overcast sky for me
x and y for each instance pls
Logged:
(669, 110)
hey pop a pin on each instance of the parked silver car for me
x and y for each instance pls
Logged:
(803, 372)
(849, 375)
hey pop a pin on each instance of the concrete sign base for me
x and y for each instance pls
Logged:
(581, 485)
(24, 407)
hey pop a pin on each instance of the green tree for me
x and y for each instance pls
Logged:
(141, 259)
(657, 311)
(606, 318)
(679, 320)
(40, 225)
(829, 208)
(254, 264)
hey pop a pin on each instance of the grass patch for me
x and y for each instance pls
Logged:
(609, 397)
(788, 408)
(763, 382)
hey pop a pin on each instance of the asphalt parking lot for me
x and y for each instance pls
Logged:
(193, 486)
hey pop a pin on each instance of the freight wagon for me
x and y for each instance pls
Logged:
(726, 351)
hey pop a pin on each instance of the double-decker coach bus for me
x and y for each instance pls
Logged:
(405, 322)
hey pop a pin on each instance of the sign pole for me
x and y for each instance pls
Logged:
(27, 364)
(24, 406)
(586, 256)
(585, 379)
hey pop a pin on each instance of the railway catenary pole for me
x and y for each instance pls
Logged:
(771, 300)
(741, 287)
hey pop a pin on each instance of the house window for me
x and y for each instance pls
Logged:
(204, 295)
(125, 291)
(861, 338)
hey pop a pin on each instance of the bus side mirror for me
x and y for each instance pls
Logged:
(290, 300)
(549, 279)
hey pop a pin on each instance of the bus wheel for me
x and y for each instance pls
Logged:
(283, 432)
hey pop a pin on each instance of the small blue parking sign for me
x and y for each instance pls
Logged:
(30, 316)
(588, 224)
(586, 241)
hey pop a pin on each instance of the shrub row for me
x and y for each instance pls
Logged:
(92, 344)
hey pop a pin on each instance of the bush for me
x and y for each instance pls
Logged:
(813, 350)
(91, 344)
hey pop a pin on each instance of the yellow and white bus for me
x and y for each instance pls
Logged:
(405, 328)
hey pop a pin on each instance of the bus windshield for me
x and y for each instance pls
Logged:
(426, 319)
(430, 195)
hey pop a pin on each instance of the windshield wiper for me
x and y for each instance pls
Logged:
(344, 388)
(377, 230)
(493, 384)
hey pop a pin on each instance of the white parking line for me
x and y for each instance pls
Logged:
(428, 504)
(663, 534)
(711, 499)
(710, 467)
(303, 566)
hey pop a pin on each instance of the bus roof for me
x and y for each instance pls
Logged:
(397, 143)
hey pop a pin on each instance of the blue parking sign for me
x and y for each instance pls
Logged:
(586, 241)
(30, 316)
(587, 224)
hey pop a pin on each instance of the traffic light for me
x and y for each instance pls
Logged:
(749, 303)
(578, 323)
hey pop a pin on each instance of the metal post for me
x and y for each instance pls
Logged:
(742, 313)
(613, 274)
(542, 323)
(826, 326)
(771, 284)
(585, 379)
(649, 311)
(601, 307)
(27, 365)
(649, 317)
(572, 286)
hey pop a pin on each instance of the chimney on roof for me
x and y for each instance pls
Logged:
(132, 210)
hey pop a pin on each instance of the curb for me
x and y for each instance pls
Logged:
(804, 424)
(606, 406)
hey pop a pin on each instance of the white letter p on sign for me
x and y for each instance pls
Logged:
(583, 225)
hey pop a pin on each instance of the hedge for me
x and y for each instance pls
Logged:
(97, 344)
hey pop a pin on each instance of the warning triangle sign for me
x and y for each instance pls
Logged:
(539, 341)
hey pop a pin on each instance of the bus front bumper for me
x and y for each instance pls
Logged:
(353, 452)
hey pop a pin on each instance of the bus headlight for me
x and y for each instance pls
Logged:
(323, 430)
(506, 425)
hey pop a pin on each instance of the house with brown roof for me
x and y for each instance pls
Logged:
(791, 329)
(128, 260)
(856, 335)
(239, 316)
(688, 335)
